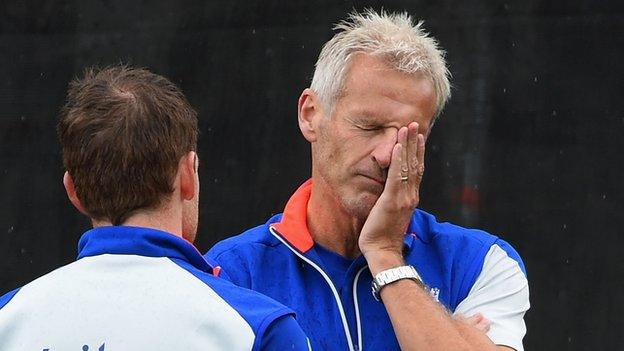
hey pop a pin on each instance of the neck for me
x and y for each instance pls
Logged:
(329, 223)
(161, 219)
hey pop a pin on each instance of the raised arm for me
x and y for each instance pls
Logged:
(419, 322)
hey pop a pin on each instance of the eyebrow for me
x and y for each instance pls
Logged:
(361, 115)
(365, 119)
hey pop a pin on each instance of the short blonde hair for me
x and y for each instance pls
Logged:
(393, 37)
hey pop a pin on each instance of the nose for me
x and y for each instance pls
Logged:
(382, 153)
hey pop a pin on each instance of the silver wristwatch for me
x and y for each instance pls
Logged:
(392, 275)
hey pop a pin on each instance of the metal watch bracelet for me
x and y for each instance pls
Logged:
(392, 275)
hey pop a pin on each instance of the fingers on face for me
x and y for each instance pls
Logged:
(403, 140)
(416, 153)
(407, 165)
(398, 166)
(413, 149)
(394, 172)
(420, 155)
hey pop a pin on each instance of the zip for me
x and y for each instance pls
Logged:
(343, 317)
(358, 322)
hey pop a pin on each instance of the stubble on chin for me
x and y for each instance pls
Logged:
(360, 206)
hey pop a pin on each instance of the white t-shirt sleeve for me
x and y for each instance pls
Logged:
(501, 294)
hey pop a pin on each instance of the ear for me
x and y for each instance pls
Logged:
(310, 112)
(187, 170)
(68, 182)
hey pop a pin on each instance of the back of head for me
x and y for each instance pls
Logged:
(403, 45)
(122, 133)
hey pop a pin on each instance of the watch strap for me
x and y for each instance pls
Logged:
(392, 275)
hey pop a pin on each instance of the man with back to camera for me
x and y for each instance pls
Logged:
(378, 86)
(129, 141)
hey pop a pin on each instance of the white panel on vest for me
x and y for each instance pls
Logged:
(501, 294)
(121, 302)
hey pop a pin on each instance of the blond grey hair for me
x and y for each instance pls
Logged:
(395, 38)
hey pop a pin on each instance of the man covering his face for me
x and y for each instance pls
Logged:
(379, 85)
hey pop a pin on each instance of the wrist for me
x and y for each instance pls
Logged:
(393, 276)
(382, 260)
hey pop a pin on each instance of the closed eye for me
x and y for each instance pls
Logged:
(370, 128)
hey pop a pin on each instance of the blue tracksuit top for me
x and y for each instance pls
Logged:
(138, 288)
(280, 260)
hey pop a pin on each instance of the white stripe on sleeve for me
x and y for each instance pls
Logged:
(501, 294)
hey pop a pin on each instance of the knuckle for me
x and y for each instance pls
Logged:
(421, 169)
(414, 164)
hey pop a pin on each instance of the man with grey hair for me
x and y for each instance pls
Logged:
(378, 87)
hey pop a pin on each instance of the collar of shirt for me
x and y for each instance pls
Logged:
(293, 224)
(126, 240)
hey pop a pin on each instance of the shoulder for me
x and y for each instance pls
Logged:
(285, 334)
(457, 253)
(258, 311)
(501, 293)
(466, 242)
(13, 297)
(253, 239)
(138, 286)
(239, 298)
(430, 230)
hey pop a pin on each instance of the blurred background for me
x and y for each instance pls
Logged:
(529, 148)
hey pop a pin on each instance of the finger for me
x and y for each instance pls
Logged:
(480, 322)
(473, 320)
(421, 157)
(484, 325)
(403, 140)
(393, 180)
(413, 152)
(413, 140)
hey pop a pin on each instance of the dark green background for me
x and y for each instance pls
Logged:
(530, 146)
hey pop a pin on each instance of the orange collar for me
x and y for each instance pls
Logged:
(293, 226)
(294, 223)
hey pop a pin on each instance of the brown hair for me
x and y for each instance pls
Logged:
(122, 133)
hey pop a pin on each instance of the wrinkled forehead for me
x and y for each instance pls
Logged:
(373, 89)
